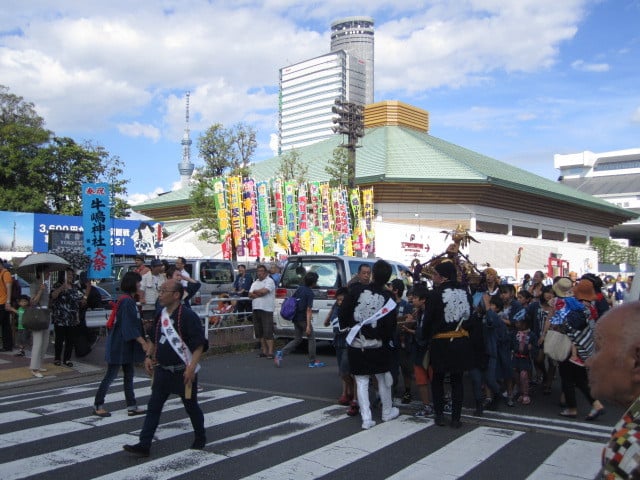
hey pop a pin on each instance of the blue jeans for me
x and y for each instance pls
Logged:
(109, 377)
(164, 384)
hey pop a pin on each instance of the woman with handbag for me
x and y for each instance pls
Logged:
(65, 310)
(575, 316)
(39, 291)
(126, 344)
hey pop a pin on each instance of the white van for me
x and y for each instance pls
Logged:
(215, 275)
(334, 271)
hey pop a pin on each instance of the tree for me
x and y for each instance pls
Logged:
(338, 167)
(291, 168)
(610, 251)
(43, 173)
(225, 151)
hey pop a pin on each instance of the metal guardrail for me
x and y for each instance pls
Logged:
(97, 318)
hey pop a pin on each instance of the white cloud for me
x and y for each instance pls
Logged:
(87, 64)
(137, 129)
(137, 198)
(635, 117)
(583, 66)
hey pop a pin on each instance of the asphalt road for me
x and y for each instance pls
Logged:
(268, 422)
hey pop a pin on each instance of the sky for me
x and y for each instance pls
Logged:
(518, 81)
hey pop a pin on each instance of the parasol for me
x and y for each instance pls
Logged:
(49, 260)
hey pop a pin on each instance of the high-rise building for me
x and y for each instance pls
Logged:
(354, 35)
(309, 88)
(308, 91)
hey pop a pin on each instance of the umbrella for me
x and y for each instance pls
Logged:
(49, 260)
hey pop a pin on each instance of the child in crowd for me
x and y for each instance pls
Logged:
(412, 329)
(401, 347)
(224, 307)
(22, 333)
(511, 310)
(348, 396)
(522, 348)
(496, 341)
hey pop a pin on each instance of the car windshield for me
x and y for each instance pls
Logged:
(216, 273)
(327, 270)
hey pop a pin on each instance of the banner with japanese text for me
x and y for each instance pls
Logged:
(96, 221)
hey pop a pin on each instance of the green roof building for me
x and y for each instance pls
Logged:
(423, 185)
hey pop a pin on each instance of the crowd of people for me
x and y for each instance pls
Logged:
(511, 341)
(495, 333)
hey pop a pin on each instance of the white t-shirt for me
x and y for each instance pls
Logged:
(150, 285)
(266, 302)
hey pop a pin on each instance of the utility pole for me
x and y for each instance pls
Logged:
(349, 122)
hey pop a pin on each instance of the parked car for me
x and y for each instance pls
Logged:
(215, 275)
(333, 271)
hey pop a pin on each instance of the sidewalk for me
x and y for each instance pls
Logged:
(16, 369)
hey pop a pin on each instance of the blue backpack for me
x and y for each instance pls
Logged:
(289, 308)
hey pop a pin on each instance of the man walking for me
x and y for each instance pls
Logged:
(177, 342)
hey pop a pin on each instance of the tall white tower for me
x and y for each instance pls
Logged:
(185, 167)
(354, 35)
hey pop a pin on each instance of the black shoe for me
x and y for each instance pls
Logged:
(137, 449)
(439, 419)
(199, 444)
(456, 424)
(133, 413)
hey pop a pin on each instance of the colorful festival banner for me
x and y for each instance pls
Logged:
(264, 222)
(220, 202)
(249, 205)
(310, 218)
(96, 221)
(237, 217)
(290, 210)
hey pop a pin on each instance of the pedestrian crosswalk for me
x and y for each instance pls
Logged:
(260, 436)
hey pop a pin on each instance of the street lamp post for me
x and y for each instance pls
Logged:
(349, 122)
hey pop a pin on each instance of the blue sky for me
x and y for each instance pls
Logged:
(518, 81)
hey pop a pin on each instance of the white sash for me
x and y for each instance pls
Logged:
(386, 308)
(174, 339)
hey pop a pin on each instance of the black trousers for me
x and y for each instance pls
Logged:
(7, 333)
(65, 337)
(457, 393)
(573, 376)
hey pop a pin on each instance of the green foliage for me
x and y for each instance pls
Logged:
(42, 173)
(338, 167)
(291, 168)
(610, 251)
(225, 151)
(203, 208)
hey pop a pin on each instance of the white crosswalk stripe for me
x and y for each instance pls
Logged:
(453, 461)
(35, 450)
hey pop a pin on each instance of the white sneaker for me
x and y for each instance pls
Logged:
(36, 374)
(42, 369)
(393, 413)
(367, 424)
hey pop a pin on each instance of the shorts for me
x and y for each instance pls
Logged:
(423, 377)
(263, 324)
(343, 361)
(22, 337)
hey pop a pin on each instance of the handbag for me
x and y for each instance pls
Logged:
(557, 345)
(35, 318)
